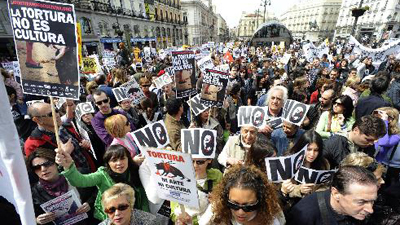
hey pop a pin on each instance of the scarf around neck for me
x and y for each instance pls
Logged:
(56, 188)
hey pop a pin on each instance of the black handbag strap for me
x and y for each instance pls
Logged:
(393, 151)
(322, 208)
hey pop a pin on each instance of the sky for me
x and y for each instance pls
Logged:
(231, 10)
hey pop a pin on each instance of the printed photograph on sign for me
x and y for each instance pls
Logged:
(153, 135)
(133, 91)
(184, 73)
(252, 116)
(46, 48)
(214, 86)
(120, 94)
(284, 167)
(295, 112)
(200, 143)
(196, 106)
(174, 176)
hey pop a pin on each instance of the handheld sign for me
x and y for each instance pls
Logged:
(133, 91)
(84, 108)
(60, 102)
(153, 135)
(295, 112)
(163, 80)
(252, 116)
(185, 73)
(120, 94)
(45, 33)
(205, 63)
(307, 176)
(285, 167)
(200, 143)
(64, 207)
(29, 103)
(175, 176)
(89, 65)
(196, 105)
(214, 88)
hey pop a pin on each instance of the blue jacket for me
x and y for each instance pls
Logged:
(281, 142)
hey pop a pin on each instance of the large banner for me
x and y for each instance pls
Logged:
(154, 135)
(185, 73)
(214, 88)
(200, 143)
(64, 207)
(378, 55)
(311, 52)
(46, 43)
(175, 176)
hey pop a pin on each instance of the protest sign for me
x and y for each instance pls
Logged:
(196, 106)
(175, 176)
(89, 65)
(45, 33)
(285, 167)
(309, 176)
(64, 207)
(285, 59)
(60, 102)
(205, 63)
(274, 122)
(163, 80)
(200, 143)
(84, 108)
(153, 135)
(9, 66)
(228, 57)
(170, 71)
(133, 91)
(185, 73)
(147, 52)
(120, 94)
(17, 72)
(295, 112)
(214, 88)
(252, 116)
(311, 52)
(29, 103)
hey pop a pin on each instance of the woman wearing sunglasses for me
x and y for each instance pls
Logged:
(206, 178)
(51, 184)
(338, 120)
(118, 202)
(119, 168)
(244, 196)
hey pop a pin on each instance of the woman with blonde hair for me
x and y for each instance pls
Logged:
(90, 88)
(118, 126)
(391, 118)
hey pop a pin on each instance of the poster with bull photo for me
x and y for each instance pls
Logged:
(200, 143)
(46, 43)
(214, 88)
(174, 176)
(185, 73)
(284, 167)
(153, 135)
(295, 112)
(309, 176)
(133, 91)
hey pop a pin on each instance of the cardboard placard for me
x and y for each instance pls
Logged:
(307, 176)
(29, 103)
(205, 63)
(83, 108)
(295, 112)
(64, 207)
(89, 65)
(284, 167)
(60, 102)
(175, 176)
(214, 88)
(163, 80)
(185, 73)
(200, 143)
(120, 94)
(196, 106)
(252, 116)
(47, 47)
(133, 91)
(153, 135)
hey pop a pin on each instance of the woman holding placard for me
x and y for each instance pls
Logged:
(50, 186)
(244, 196)
(292, 191)
(119, 167)
(206, 179)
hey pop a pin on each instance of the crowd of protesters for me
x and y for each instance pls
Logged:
(352, 126)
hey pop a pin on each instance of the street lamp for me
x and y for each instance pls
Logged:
(265, 3)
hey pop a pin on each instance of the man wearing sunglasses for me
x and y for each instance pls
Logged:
(102, 101)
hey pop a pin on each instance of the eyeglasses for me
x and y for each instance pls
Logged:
(199, 162)
(50, 114)
(246, 208)
(105, 101)
(112, 210)
(45, 164)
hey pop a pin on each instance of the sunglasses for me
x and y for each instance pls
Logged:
(246, 208)
(146, 85)
(338, 103)
(50, 114)
(199, 162)
(105, 101)
(45, 164)
(112, 210)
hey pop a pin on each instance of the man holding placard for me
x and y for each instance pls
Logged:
(172, 122)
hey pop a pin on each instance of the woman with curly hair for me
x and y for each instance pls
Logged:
(244, 196)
